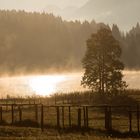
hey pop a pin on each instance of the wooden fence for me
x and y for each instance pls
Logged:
(125, 118)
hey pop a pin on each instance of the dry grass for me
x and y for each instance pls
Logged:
(17, 133)
(96, 121)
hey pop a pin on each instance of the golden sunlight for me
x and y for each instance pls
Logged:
(45, 85)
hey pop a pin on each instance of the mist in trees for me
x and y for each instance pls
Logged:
(38, 42)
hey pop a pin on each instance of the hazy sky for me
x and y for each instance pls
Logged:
(39, 4)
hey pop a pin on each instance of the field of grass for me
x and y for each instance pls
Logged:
(18, 133)
(120, 118)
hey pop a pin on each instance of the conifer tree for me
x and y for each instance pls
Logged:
(102, 64)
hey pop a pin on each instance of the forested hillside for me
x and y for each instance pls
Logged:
(130, 43)
(33, 42)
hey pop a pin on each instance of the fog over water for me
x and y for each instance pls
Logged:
(45, 85)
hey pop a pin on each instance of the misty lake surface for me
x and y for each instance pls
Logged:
(46, 85)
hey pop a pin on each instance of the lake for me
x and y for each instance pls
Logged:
(46, 85)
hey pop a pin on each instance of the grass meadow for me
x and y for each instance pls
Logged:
(29, 126)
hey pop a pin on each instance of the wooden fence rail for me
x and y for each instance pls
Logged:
(65, 116)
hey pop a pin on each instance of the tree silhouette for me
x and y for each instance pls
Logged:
(103, 68)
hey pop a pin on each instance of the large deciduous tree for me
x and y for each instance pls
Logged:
(102, 64)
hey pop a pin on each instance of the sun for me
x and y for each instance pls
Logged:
(45, 85)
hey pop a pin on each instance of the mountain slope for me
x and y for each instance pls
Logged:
(125, 13)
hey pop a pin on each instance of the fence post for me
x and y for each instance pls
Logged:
(63, 119)
(42, 117)
(108, 118)
(138, 117)
(6, 105)
(1, 114)
(84, 115)
(58, 117)
(87, 123)
(79, 117)
(63, 98)
(69, 116)
(12, 111)
(130, 120)
(20, 113)
(36, 113)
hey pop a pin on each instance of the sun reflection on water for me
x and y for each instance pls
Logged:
(45, 85)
